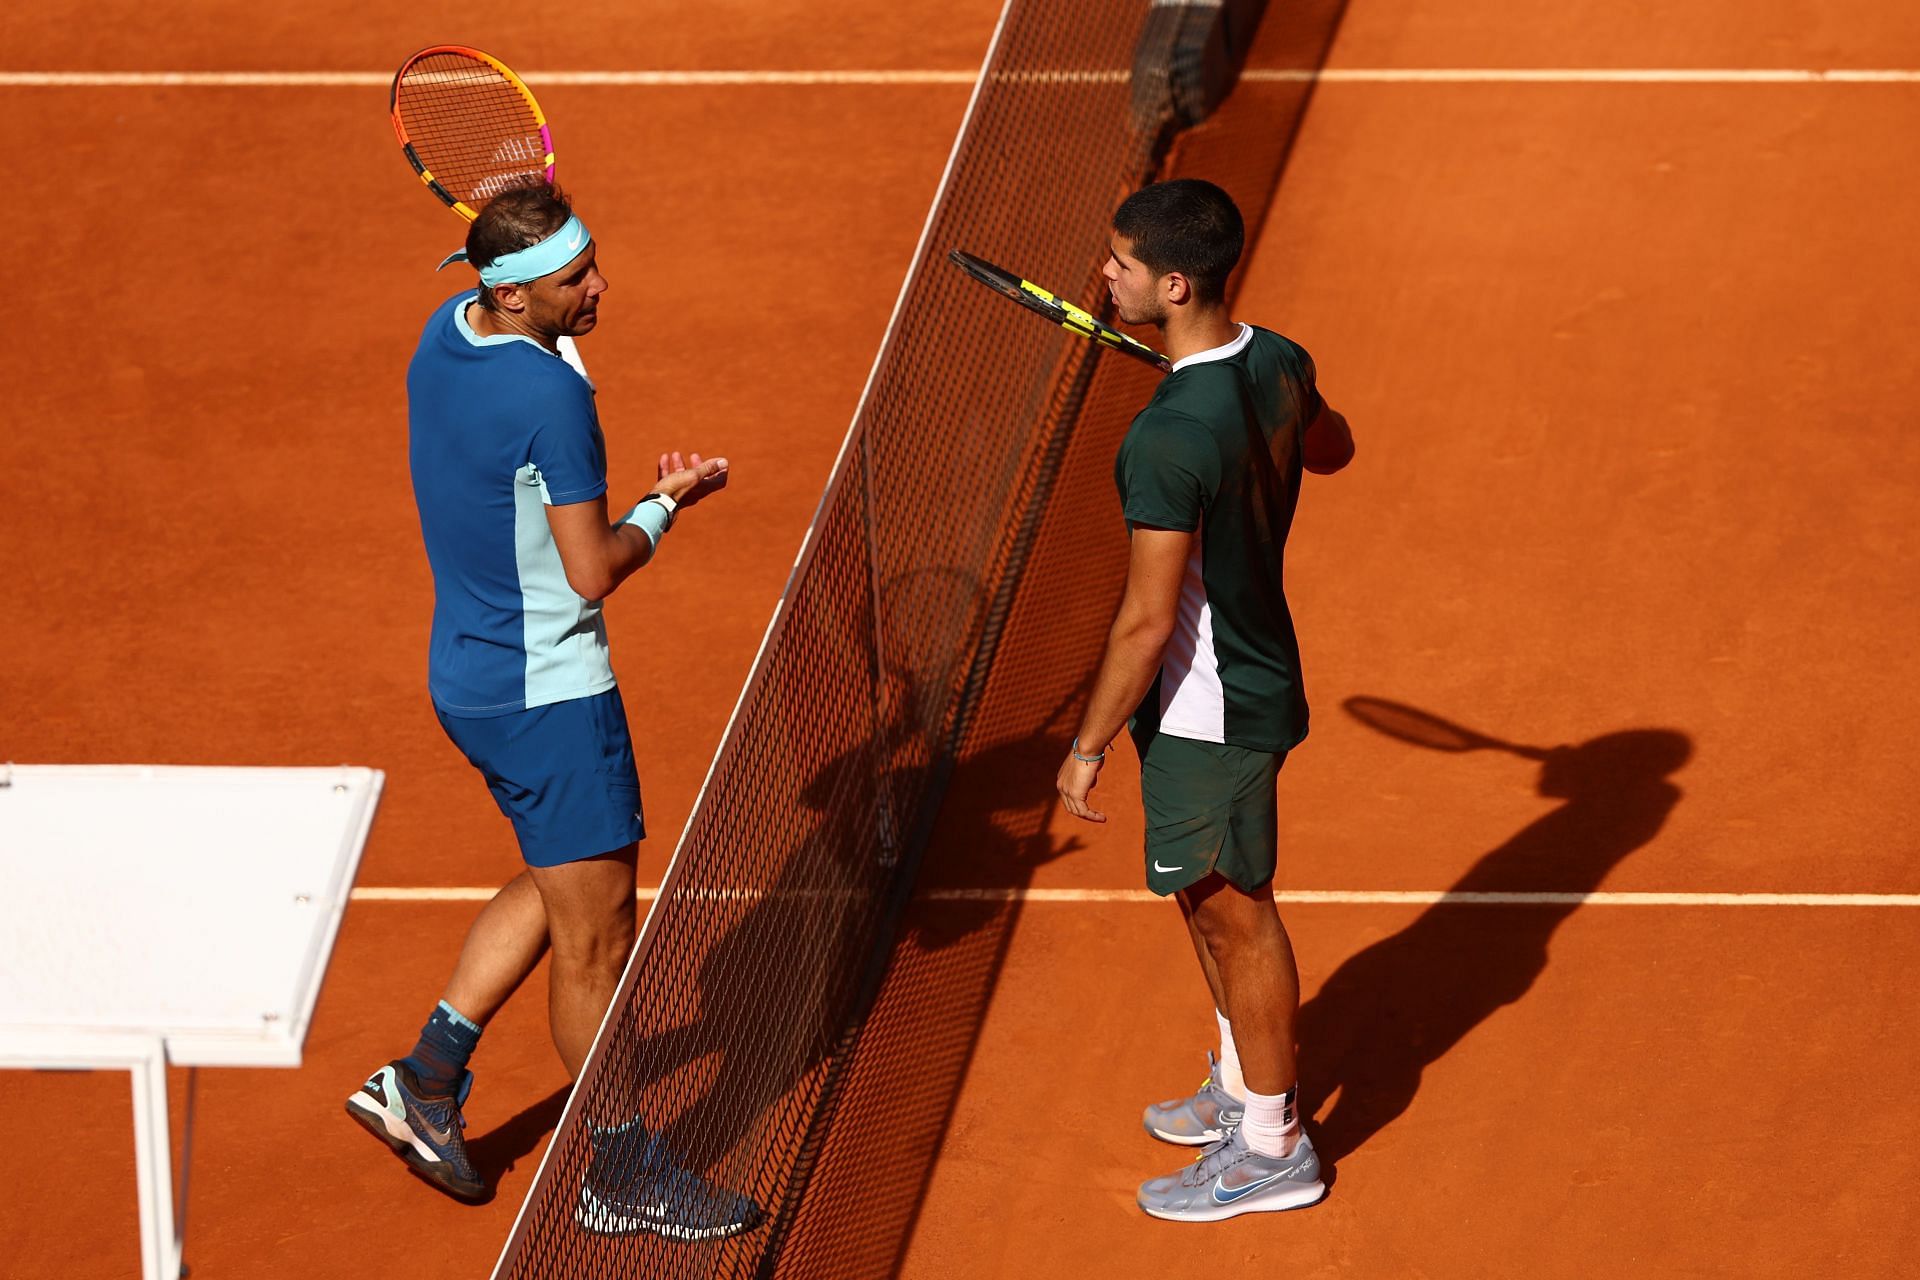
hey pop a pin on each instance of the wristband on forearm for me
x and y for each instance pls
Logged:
(1085, 759)
(653, 515)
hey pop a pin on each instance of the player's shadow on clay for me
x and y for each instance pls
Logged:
(1402, 1003)
(781, 978)
(807, 942)
(500, 1149)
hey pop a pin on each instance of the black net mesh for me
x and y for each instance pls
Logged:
(795, 1024)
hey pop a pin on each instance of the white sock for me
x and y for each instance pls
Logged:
(1230, 1078)
(1272, 1123)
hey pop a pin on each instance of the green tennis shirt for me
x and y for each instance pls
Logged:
(1217, 452)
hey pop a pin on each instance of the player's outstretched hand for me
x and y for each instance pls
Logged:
(687, 479)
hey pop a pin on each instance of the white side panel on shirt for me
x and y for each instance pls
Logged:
(1193, 703)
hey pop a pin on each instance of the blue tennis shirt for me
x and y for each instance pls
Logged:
(499, 429)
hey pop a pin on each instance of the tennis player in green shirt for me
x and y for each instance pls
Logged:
(1203, 666)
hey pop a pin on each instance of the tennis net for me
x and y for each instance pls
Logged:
(731, 1041)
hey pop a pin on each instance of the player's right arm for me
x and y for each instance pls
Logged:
(1328, 443)
(599, 555)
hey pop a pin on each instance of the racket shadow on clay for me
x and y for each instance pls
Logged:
(1390, 1010)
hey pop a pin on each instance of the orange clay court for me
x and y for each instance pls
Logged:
(1624, 327)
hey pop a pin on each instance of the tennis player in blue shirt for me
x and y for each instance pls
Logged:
(510, 475)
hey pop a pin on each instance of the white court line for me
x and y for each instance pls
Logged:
(1429, 897)
(693, 79)
(1579, 75)
(1304, 897)
(538, 79)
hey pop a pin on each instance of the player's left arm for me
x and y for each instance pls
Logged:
(597, 555)
(1327, 444)
(1156, 566)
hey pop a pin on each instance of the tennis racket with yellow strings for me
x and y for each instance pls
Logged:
(469, 126)
(1057, 309)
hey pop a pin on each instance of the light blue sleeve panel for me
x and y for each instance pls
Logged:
(564, 635)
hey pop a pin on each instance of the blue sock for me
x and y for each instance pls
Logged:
(439, 1060)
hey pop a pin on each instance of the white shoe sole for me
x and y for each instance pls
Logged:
(1299, 1195)
(1187, 1140)
(596, 1215)
(397, 1131)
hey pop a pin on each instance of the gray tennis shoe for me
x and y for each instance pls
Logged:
(1230, 1178)
(1208, 1116)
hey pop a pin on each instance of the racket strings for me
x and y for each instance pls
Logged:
(470, 127)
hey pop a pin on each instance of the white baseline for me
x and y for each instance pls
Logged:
(700, 79)
(1302, 897)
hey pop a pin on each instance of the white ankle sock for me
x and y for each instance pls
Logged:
(1230, 1078)
(1272, 1123)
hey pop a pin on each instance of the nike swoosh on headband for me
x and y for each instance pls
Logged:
(534, 261)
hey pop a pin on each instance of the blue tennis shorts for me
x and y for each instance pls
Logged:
(563, 774)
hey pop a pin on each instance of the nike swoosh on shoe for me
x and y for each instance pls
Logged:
(1238, 1192)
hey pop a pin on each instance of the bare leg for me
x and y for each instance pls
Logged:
(590, 920)
(506, 941)
(1200, 950)
(1254, 959)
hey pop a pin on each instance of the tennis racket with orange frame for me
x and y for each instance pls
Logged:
(471, 129)
(469, 126)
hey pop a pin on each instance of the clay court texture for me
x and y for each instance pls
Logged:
(1619, 300)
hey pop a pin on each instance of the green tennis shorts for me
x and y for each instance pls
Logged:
(1210, 808)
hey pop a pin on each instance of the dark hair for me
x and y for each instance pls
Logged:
(514, 220)
(1185, 225)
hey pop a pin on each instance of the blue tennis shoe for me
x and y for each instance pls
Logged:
(633, 1185)
(426, 1131)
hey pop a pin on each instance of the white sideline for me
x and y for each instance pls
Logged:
(538, 79)
(1303, 897)
(1583, 75)
(708, 79)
